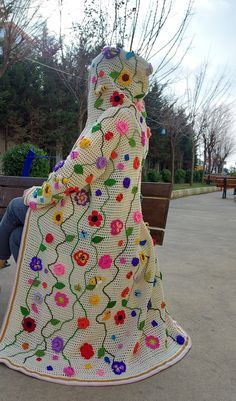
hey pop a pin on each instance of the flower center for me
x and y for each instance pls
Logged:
(125, 77)
(117, 98)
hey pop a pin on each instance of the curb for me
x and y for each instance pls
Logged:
(180, 193)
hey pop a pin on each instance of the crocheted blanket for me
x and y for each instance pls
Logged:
(88, 306)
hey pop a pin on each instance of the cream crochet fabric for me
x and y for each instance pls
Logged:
(87, 306)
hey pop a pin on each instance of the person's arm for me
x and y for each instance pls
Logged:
(85, 163)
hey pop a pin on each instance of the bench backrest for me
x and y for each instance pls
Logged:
(219, 180)
(155, 203)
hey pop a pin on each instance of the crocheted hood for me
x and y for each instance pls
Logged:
(116, 78)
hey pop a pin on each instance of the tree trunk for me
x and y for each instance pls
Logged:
(192, 164)
(172, 163)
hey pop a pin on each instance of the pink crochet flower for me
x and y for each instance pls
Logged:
(94, 79)
(152, 342)
(137, 216)
(105, 262)
(122, 127)
(120, 166)
(59, 269)
(61, 299)
(116, 227)
(74, 154)
(139, 105)
(32, 205)
(69, 371)
(143, 138)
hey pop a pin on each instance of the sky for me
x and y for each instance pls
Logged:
(212, 28)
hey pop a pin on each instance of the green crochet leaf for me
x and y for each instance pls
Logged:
(101, 352)
(134, 189)
(96, 127)
(78, 169)
(40, 352)
(132, 142)
(42, 247)
(39, 192)
(97, 239)
(140, 96)
(114, 74)
(98, 103)
(59, 286)
(69, 238)
(161, 275)
(54, 322)
(141, 325)
(129, 231)
(124, 302)
(110, 181)
(36, 283)
(144, 114)
(24, 311)
(90, 287)
(111, 304)
(57, 196)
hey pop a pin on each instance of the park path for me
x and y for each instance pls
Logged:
(198, 262)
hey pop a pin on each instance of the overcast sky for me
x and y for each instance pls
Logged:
(213, 26)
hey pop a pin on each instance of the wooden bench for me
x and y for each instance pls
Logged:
(223, 182)
(155, 201)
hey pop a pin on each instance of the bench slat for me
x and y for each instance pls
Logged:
(156, 189)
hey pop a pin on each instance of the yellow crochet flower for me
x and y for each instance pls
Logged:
(58, 217)
(84, 143)
(143, 257)
(125, 78)
(94, 300)
(47, 192)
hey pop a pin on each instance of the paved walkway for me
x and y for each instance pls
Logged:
(198, 262)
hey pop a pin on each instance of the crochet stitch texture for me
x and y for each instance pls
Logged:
(88, 306)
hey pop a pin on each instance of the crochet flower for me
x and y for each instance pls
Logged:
(117, 99)
(83, 323)
(136, 348)
(139, 105)
(94, 300)
(125, 78)
(110, 52)
(36, 264)
(95, 218)
(86, 351)
(82, 197)
(61, 299)
(108, 135)
(59, 269)
(69, 371)
(142, 257)
(116, 227)
(29, 324)
(136, 163)
(49, 238)
(57, 344)
(71, 190)
(143, 138)
(152, 342)
(120, 317)
(47, 191)
(101, 162)
(125, 292)
(118, 367)
(84, 143)
(58, 217)
(38, 298)
(137, 216)
(81, 257)
(60, 164)
(105, 262)
(122, 127)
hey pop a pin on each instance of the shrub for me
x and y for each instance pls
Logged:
(153, 175)
(187, 176)
(166, 175)
(180, 176)
(13, 161)
(197, 175)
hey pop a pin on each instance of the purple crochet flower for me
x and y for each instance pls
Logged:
(118, 367)
(38, 298)
(101, 162)
(59, 165)
(82, 197)
(36, 264)
(57, 344)
(110, 52)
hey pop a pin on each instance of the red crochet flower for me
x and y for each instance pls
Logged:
(83, 323)
(136, 163)
(125, 292)
(81, 257)
(109, 135)
(95, 218)
(28, 324)
(116, 99)
(71, 190)
(86, 351)
(49, 238)
(120, 317)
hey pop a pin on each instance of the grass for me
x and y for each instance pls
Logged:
(187, 186)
